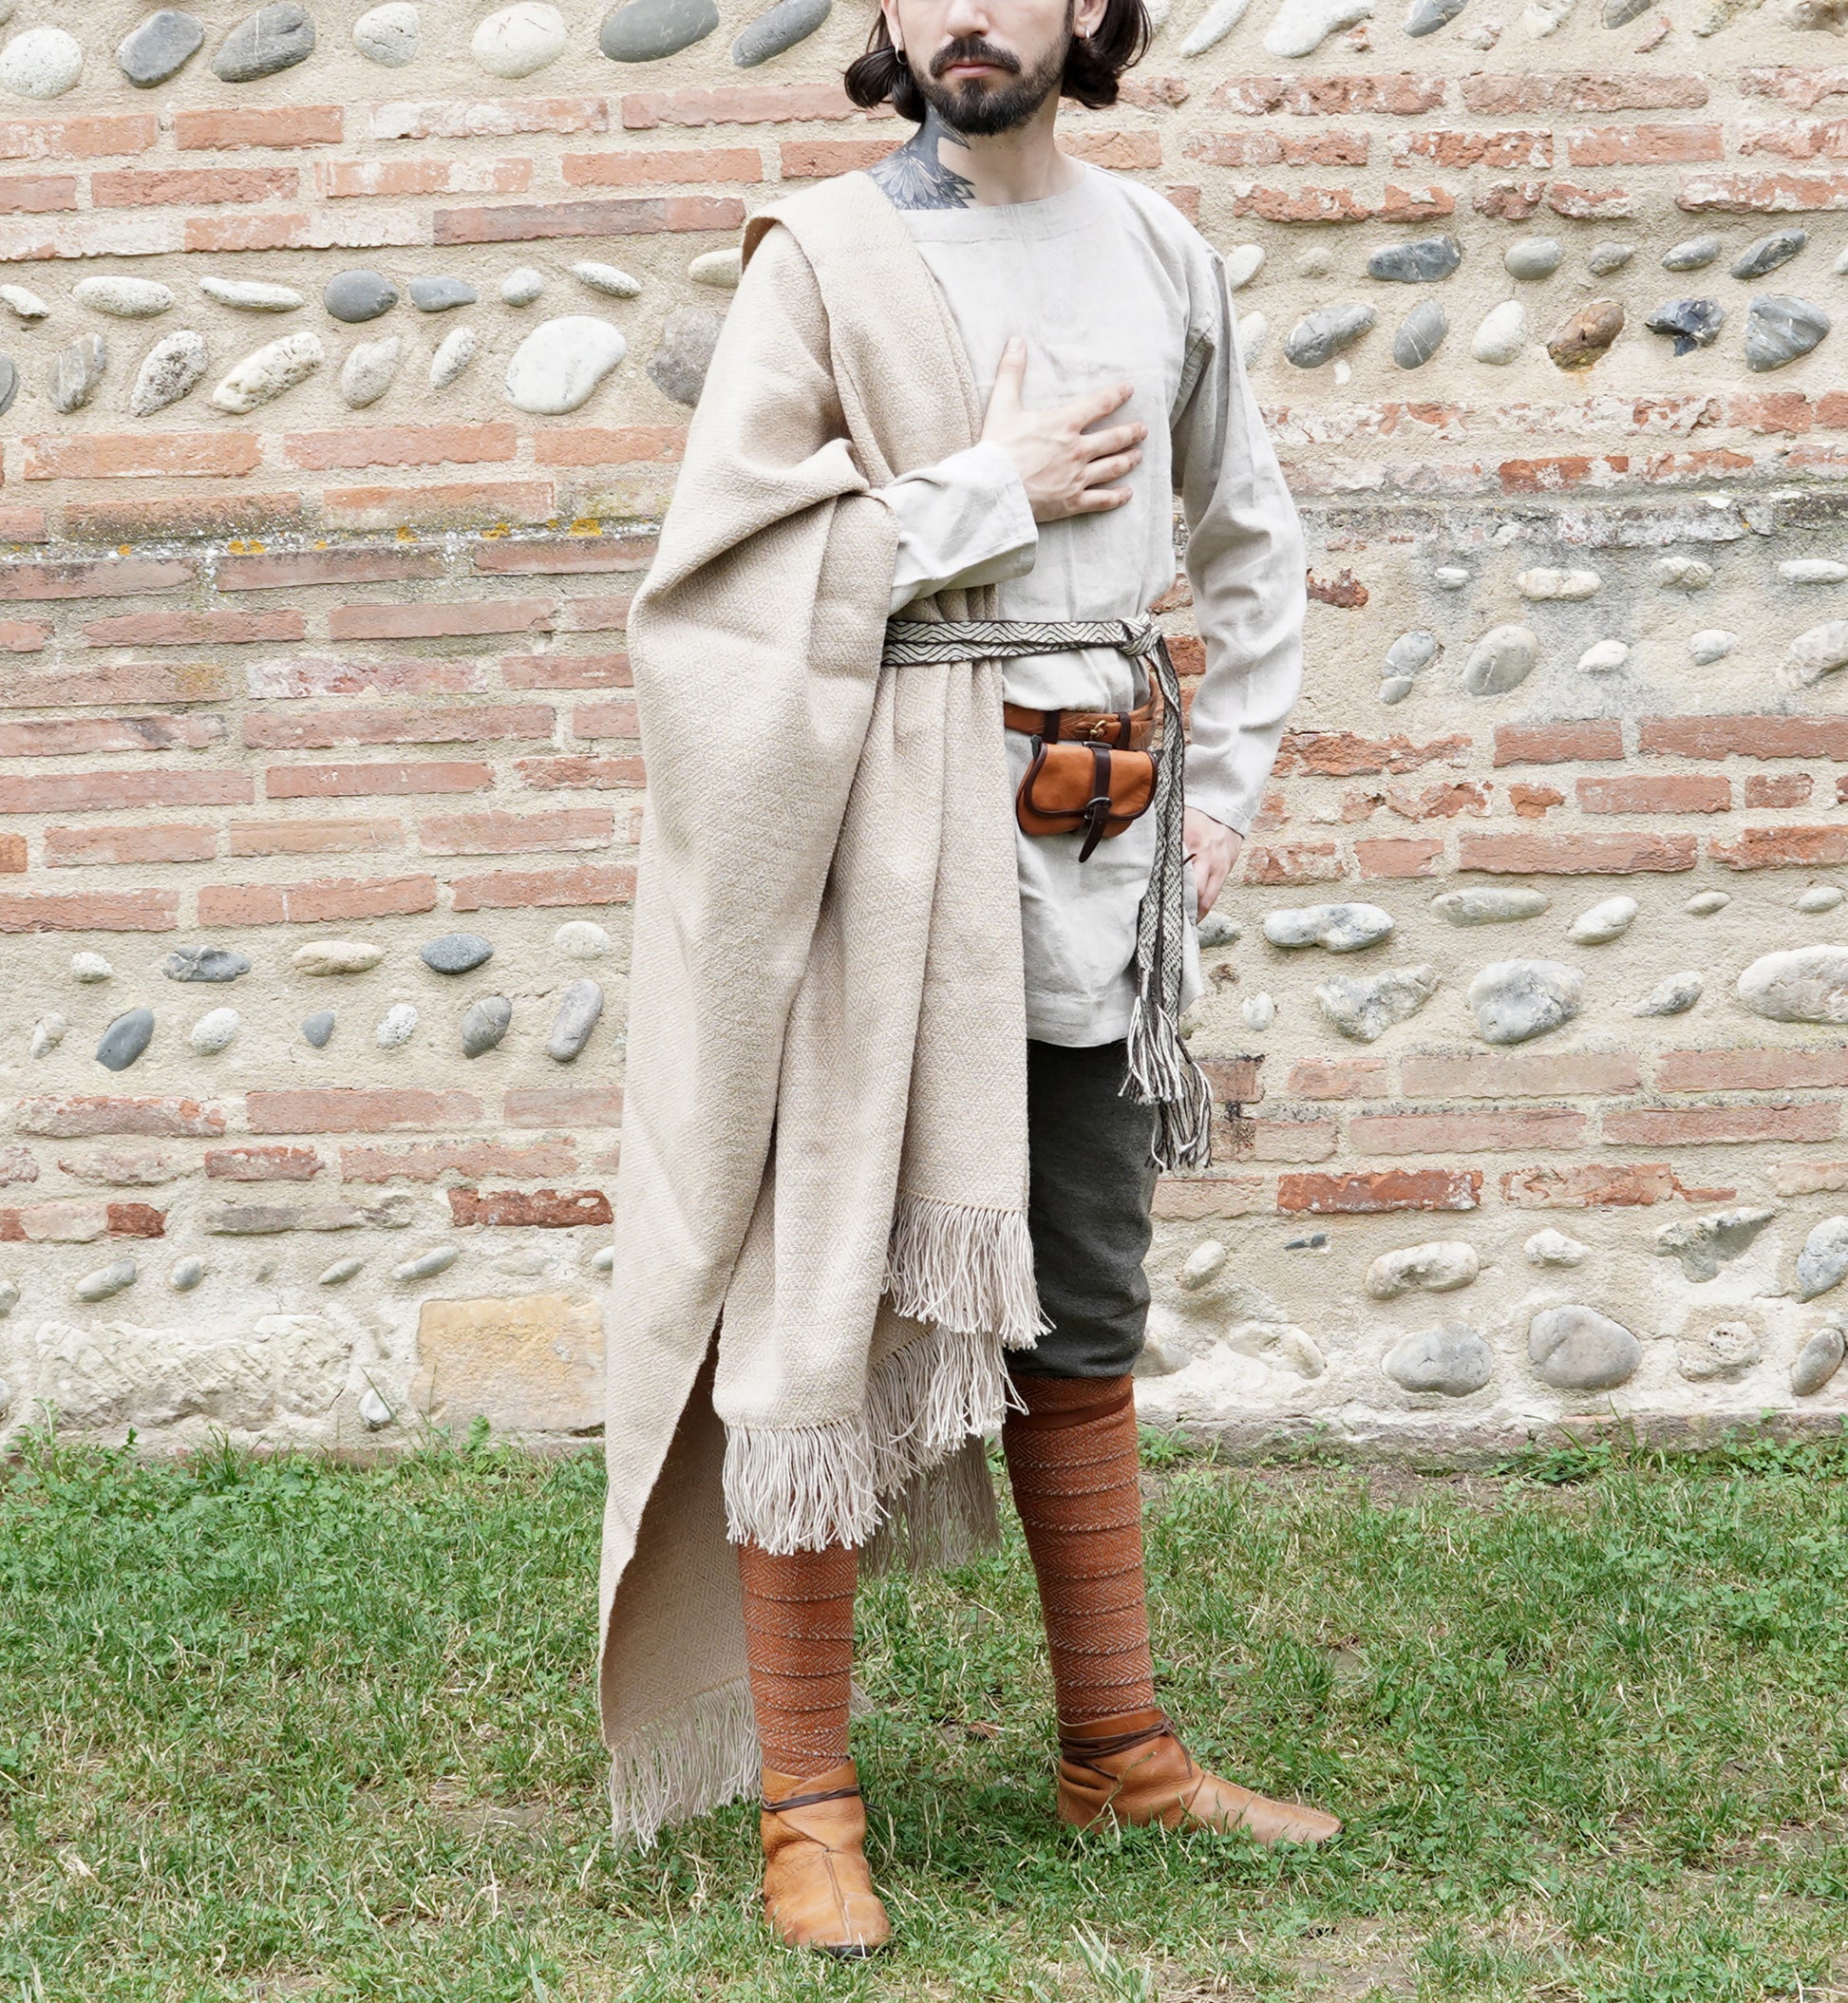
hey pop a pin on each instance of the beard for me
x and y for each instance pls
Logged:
(976, 109)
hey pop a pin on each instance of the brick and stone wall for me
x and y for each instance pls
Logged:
(315, 587)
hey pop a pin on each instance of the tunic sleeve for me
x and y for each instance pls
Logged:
(1245, 563)
(963, 521)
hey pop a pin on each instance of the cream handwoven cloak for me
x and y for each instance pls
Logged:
(824, 1132)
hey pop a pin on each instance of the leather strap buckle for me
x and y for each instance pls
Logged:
(808, 1801)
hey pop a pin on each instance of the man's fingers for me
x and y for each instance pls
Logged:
(1100, 403)
(1010, 375)
(1103, 444)
(1099, 501)
(1101, 472)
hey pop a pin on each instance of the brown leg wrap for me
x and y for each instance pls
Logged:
(799, 1641)
(1071, 1460)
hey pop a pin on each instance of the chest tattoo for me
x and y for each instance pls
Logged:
(916, 177)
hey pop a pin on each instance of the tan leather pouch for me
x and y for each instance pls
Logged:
(1083, 788)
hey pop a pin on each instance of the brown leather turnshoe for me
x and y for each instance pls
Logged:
(1133, 1769)
(816, 1890)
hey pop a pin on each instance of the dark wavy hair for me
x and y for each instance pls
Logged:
(1092, 76)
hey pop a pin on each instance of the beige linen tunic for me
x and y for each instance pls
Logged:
(1107, 282)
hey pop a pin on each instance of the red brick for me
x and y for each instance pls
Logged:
(1117, 151)
(23, 636)
(1398, 856)
(550, 774)
(111, 688)
(12, 855)
(76, 792)
(104, 578)
(311, 838)
(492, 118)
(740, 105)
(360, 782)
(503, 834)
(1590, 205)
(1529, 1076)
(1746, 736)
(349, 180)
(71, 1116)
(1235, 1080)
(1184, 1198)
(1442, 802)
(1342, 754)
(359, 1110)
(1464, 1133)
(1782, 847)
(193, 629)
(566, 670)
(439, 620)
(1751, 1070)
(136, 1220)
(596, 615)
(279, 126)
(79, 138)
(291, 570)
(262, 1164)
(454, 504)
(1599, 1185)
(621, 216)
(507, 890)
(1574, 855)
(315, 903)
(291, 675)
(563, 1105)
(430, 1161)
(1366, 1191)
(1339, 1078)
(1554, 476)
(429, 724)
(1305, 206)
(816, 158)
(1764, 789)
(91, 910)
(600, 446)
(544, 1209)
(1270, 149)
(1782, 194)
(1693, 1126)
(1647, 793)
(1621, 89)
(1326, 96)
(118, 519)
(1509, 201)
(594, 720)
(625, 166)
(1645, 146)
(1448, 148)
(159, 187)
(120, 1167)
(563, 556)
(1287, 1139)
(81, 736)
(1415, 204)
(72, 847)
(1806, 88)
(1290, 862)
(37, 194)
(401, 445)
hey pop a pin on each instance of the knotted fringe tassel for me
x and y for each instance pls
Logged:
(1163, 1071)
(963, 1268)
(800, 1489)
(697, 1758)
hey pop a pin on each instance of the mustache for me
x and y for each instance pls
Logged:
(974, 49)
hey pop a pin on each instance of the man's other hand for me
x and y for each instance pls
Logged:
(1065, 469)
(1212, 848)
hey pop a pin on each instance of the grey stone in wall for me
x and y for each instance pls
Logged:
(76, 370)
(1321, 336)
(1501, 660)
(1806, 984)
(206, 963)
(125, 1040)
(1365, 1005)
(1452, 1361)
(1673, 996)
(1823, 1260)
(646, 30)
(388, 36)
(274, 38)
(1704, 1244)
(579, 1004)
(678, 365)
(1499, 905)
(1780, 331)
(486, 1023)
(1725, 1352)
(1819, 652)
(1339, 928)
(1817, 1362)
(1420, 334)
(779, 27)
(171, 370)
(1440, 1266)
(267, 373)
(1516, 1000)
(357, 296)
(1577, 1349)
(1423, 261)
(1769, 253)
(557, 367)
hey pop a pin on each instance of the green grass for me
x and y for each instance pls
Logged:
(288, 1728)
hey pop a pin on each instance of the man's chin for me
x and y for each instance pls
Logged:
(982, 110)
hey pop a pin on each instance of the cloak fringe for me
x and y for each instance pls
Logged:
(941, 1517)
(684, 1764)
(964, 1269)
(802, 1488)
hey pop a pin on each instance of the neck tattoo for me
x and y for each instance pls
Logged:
(916, 175)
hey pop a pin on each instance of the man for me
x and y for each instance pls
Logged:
(912, 941)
